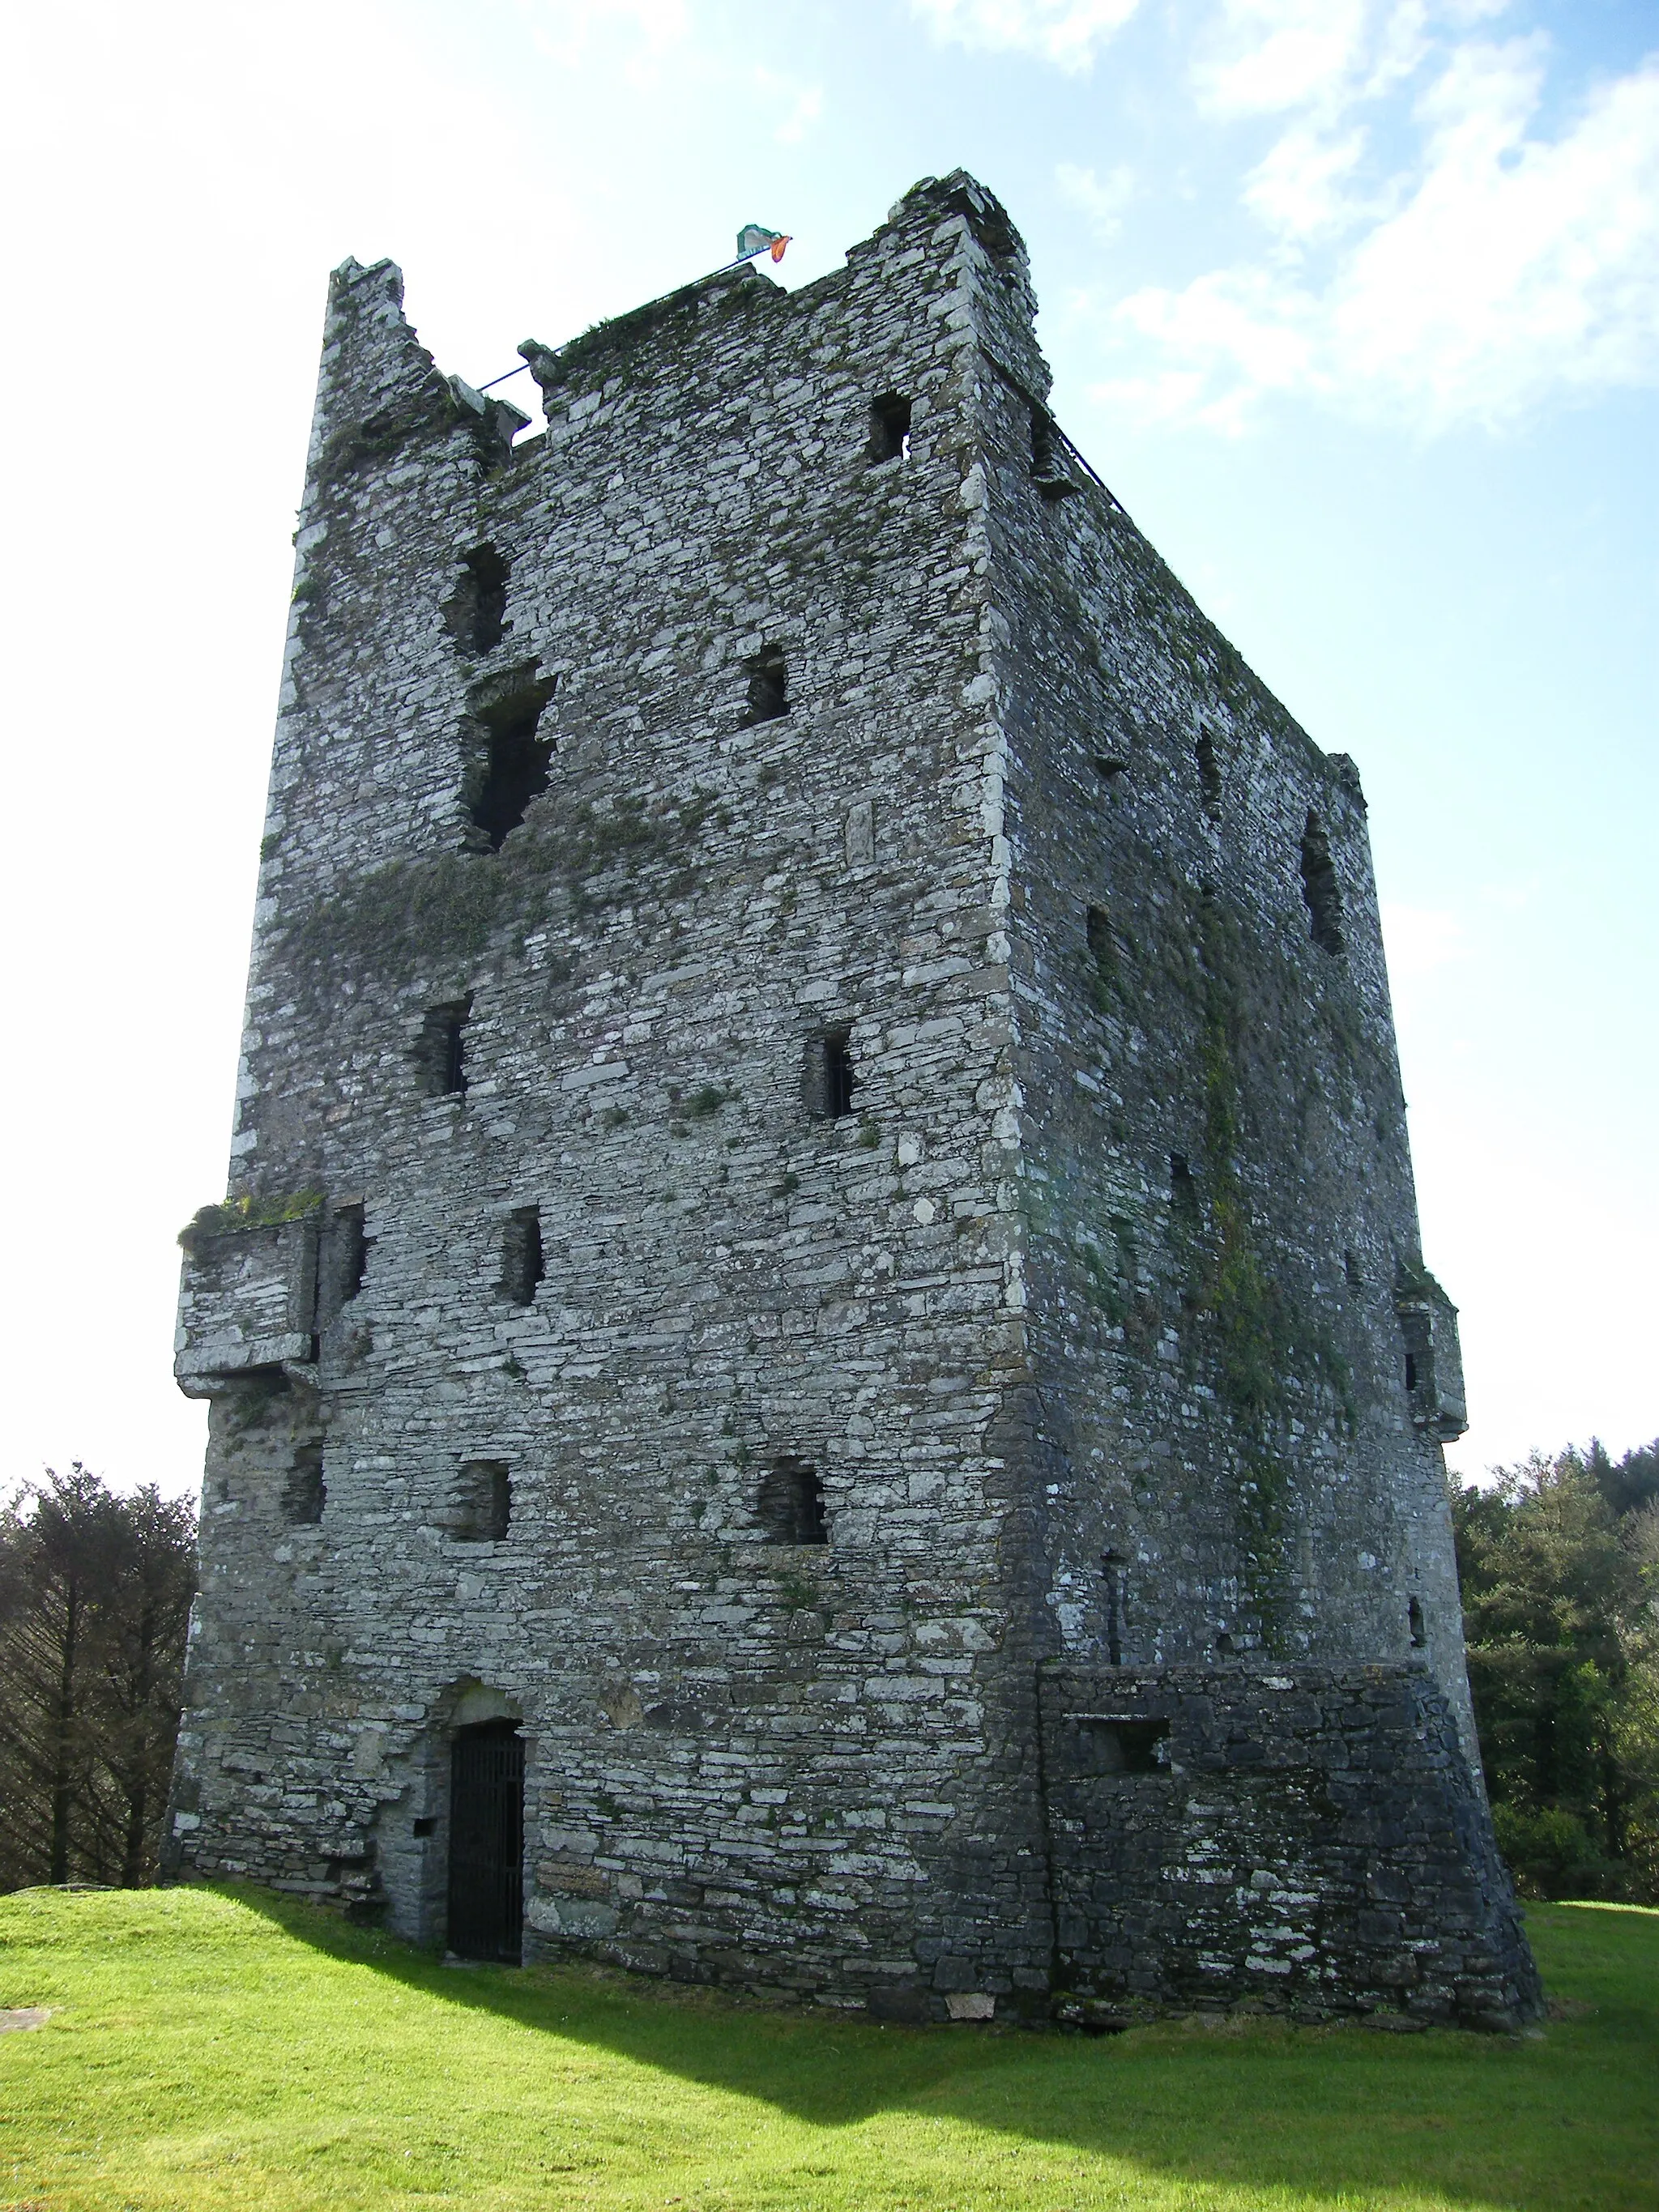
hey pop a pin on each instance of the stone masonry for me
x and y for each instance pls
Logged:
(820, 1232)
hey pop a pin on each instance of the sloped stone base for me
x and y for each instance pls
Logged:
(1307, 1842)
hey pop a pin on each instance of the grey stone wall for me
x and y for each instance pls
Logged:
(635, 786)
(1305, 1838)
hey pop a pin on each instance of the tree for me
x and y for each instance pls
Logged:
(1559, 1599)
(94, 1604)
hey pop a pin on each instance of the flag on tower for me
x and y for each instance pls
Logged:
(754, 239)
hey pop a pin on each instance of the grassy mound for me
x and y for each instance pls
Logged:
(213, 2048)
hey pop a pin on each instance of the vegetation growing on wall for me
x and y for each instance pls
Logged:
(234, 1217)
(439, 909)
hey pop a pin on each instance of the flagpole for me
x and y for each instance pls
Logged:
(771, 241)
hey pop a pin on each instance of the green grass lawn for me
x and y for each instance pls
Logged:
(209, 2047)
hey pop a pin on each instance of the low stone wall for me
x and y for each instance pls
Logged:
(1308, 1842)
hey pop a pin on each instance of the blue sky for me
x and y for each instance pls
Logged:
(1354, 303)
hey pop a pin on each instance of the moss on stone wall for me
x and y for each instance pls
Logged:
(444, 909)
(236, 1216)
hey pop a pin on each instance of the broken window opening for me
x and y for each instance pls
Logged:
(1411, 1371)
(768, 686)
(889, 428)
(515, 763)
(1116, 1568)
(1419, 1634)
(522, 1266)
(827, 1079)
(790, 1506)
(481, 1503)
(1224, 1645)
(440, 1053)
(1099, 928)
(1209, 771)
(305, 1494)
(1108, 767)
(1319, 888)
(476, 611)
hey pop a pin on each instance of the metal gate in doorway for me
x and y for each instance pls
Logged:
(486, 1842)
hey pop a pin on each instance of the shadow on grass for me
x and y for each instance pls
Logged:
(1567, 2119)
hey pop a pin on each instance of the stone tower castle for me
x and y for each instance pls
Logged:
(820, 1372)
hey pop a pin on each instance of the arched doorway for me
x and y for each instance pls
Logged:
(486, 1842)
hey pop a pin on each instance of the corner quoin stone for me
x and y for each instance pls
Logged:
(821, 1244)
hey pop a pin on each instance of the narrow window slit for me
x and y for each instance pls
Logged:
(1116, 1568)
(522, 1266)
(476, 611)
(790, 1506)
(305, 1494)
(768, 686)
(440, 1054)
(1319, 888)
(1183, 1187)
(353, 1252)
(827, 1079)
(889, 428)
(1414, 1621)
(1209, 771)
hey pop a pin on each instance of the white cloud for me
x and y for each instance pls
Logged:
(564, 29)
(1269, 55)
(1499, 271)
(800, 106)
(1102, 203)
(1301, 188)
(1064, 32)
(1421, 940)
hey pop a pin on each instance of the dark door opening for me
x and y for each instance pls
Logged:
(486, 1842)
